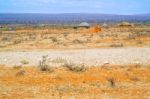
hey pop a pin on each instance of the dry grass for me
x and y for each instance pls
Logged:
(75, 67)
(51, 38)
(24, 62)
(43, 64)
(94, 83)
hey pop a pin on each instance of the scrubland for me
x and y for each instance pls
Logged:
(70, 38)
(67, 63)
(106, 82)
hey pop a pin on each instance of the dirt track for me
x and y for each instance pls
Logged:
(88, 56)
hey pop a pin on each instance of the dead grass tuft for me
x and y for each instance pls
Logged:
(21, 73)
(75, 67)
(111, 81)
(43, 64)
(24, 62)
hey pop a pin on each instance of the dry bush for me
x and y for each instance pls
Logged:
(111, 81)
(16, 41)
(17, 67)
(143, 33)
(80, 41)
(24, 62)
(43, 64)
(8, 39)
(131, 36)
(54, 39)
(60, 43)
(76, 41)
(32, 37)
(116, 45)
(65, 34)
(59, 60)
(75, 67)
(108, 66)
(20, 73)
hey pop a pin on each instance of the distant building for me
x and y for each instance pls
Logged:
(83, 25)
(10, 29)
(126, 24)
(42, 25)
(104, 25)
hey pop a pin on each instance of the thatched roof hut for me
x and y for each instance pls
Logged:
(104, 25)
(83, 25)
(126, 24)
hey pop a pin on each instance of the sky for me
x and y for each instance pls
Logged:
(76, 6)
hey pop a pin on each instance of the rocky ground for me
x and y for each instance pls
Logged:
(89, 57)
(22, 78)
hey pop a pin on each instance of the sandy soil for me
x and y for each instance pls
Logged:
(107, 82)
(90, 57)
(117, 64)
(69, 38)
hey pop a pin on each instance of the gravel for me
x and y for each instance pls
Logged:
(90, 57)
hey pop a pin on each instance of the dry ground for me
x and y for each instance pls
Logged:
(69, 38)
(106, 82)
(102, 82)
(89, 57)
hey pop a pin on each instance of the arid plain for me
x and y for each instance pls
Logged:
(63, 62)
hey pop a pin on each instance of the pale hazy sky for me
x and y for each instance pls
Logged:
(75, 6)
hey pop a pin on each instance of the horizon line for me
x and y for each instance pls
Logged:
(71, 13)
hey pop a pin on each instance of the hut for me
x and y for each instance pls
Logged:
(104, 25)
(83, 25)
(126, 24)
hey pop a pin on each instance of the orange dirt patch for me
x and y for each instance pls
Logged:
(61, 83)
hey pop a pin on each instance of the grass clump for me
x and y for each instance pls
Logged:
(43, 64)
(17, 67)
(21, 73)
(54, 39)
(59, 60)
(117, 45)
(24, 62)
(111, 81)
(75, 67)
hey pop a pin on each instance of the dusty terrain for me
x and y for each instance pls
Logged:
(89, 57)
(107, 82)
(45, 38)
(115, 60)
